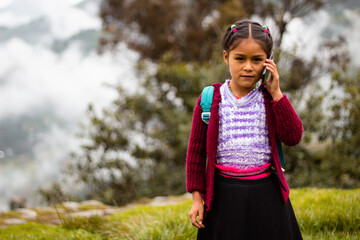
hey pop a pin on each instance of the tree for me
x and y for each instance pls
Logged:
(284, 11)
(154, 27)
(343, 152)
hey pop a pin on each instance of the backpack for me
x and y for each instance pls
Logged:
(206, 102)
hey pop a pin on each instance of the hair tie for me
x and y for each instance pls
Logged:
(265, 29)
(233, 28)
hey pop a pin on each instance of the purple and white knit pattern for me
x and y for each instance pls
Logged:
(243, 135)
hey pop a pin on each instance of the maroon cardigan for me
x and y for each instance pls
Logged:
(282, 122)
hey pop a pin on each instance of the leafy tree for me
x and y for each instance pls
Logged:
(335, 165)
(189, 28)
(155, 27)
(343, 152)
(284, 11)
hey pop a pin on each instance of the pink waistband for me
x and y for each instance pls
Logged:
(238, 171)
(261, 175)
(252, 173)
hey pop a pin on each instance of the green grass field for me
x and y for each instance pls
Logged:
(321, 213)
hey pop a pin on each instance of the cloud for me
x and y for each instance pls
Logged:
(10, 19)
(65, 18)
(23, 177)
(5, 3)
(35, 78)
(32, 76)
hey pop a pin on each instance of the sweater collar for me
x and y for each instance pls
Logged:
(228, 95)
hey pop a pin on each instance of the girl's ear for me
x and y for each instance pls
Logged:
(226, 57)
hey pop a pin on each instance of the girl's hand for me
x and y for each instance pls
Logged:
(197, 209)
(273, 83)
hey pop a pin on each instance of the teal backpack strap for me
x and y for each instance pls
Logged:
(280, 152)
(206, 102)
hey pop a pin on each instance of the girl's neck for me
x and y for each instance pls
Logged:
(239, 92)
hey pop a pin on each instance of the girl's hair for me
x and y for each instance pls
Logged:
(248, 29)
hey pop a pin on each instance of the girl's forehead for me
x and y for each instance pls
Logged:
(247, 46)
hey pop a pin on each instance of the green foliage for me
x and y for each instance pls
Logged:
(329, 167)
(336, 165)
(328, 155)
(344, 131)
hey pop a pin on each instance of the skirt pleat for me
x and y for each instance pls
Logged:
(249, 210)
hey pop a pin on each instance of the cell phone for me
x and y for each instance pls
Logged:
(265, 73)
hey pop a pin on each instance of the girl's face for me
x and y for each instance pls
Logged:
(245, 63)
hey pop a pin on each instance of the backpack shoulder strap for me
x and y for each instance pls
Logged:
(206, 102)
(280, 152)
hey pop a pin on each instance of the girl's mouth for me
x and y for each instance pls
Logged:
(247, 76)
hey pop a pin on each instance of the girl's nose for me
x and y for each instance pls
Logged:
(247, 66)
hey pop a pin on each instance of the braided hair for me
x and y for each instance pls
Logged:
(248, 29)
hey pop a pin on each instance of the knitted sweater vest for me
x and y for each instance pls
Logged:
(243, 144)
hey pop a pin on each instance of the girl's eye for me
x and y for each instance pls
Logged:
(257, 59)
(240, 58)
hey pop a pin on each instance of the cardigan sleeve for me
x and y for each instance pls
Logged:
(289, 128)
(196, 153)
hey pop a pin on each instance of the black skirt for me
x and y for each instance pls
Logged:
(249, 209)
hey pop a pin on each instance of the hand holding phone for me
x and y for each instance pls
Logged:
(272, 83)
(265, 73)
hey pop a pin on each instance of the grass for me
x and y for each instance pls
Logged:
(322, 214)
(327, 213)
(38, 231)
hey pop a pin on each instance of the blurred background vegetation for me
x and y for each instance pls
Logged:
(137, 146)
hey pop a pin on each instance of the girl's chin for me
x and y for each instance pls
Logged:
(249, 80)
(245, 84)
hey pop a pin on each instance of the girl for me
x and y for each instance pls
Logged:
(233, 168)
